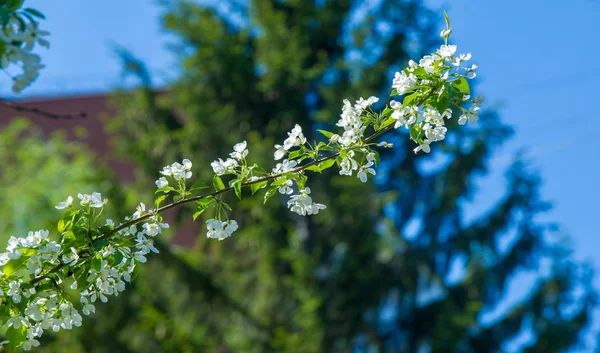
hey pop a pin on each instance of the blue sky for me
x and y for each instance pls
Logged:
(538, 63)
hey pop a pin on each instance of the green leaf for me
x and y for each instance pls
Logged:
(81, 275)
(198, 186)
(165, 188)
(97, 262)
(237, 188)
(4, 16)
(136, 271)
(394, 92)
(326, 133)
(257, 186)
(377, 158)
(13, 5)
(322, 146)
(442, 102)
(447, 19)
(314, 168)
(203, 205)
(270, 193)
(206, 201)
(462, 85)
(118, 257)
(99, 244)
(408, 99)
(258, 169)
(327, 164)
(415, 133)
(386, 112)
(14, 265)
(68, 238)
(389, 121)
(16, 336)
(280, 181)
(218, 183)
(295, 154)
(198, 212)
(159, 200)
(35, 13)
(63, 225)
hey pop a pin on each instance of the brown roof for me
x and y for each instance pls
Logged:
(97, 110)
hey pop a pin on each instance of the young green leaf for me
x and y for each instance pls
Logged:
(257, 186)
(326, 133)
(16, 336)
(165, 188)
(270, 193)
(237, 188)
(159, 200)
(198, 186)
(35, 13)
(462, 85)
(218, 183)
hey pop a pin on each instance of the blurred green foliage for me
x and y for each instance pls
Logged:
(38, 172)
(389, 267)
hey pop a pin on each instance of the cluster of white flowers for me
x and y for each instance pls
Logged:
(179, 171)
(429, 120)
(471, 115)
(94, 200)
(49, 309)
(41, 311)
(303, 204)
(403, 82)
(220, 230)
(295, 138)
(239, 153)
(19, 43)
(37, 243)
(351, 121)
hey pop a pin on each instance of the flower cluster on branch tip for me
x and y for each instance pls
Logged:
(96, 257)
(20, 33)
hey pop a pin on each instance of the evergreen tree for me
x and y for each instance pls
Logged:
(390, 267)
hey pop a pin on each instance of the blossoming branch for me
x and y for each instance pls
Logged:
(96, 257)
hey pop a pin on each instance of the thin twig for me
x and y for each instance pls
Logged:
(21, 108)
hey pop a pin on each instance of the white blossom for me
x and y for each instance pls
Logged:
(303, 205)
(239, 151)
(447, 51)
(427, 63)
(295, 138)
(220, 230)
(284, 167)
(65, 204)
(471, 116)
(94, 200)
(161, 183)
(348, 164)
(423, 147)
(366, 168)
(221, 167)
(14, 291)
(179, 171)
(139, 211)
(280, 152)
(403, 82)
